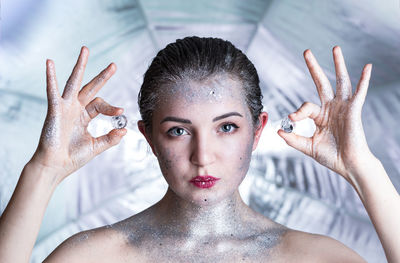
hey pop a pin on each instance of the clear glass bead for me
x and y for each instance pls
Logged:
(287, 125)
(119, 122)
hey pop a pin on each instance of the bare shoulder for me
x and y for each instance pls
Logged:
(95, 245)
(306, 247)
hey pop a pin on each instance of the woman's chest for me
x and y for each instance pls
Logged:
(198, 251)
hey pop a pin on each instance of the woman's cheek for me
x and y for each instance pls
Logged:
(169, 163)
(165, 159)
(164, 154)
(244, 157)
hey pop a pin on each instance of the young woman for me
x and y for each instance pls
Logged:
(202, 116)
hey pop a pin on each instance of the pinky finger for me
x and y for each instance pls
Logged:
(298, 142)
(307, 110)
(51, 81)
(108, 140)
(362, 87)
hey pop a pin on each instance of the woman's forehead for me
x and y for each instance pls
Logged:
(212, 89)
(202, 100)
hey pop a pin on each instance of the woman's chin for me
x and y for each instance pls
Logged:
(205, 197)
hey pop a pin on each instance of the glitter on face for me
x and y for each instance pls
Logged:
(213, 89)
(287, 125)
(182, 157)
(119, 122)
(196, 224)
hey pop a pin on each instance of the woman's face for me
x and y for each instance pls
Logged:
(204, 129)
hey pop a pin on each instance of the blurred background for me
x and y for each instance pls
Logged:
(282, 184)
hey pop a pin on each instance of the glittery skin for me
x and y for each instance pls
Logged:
(77, 240)
(211, 89)
(214, 225)
(50, 131)
(205, 154)
(202, 225)
(175, 230)
(339, 141)
(65, 144)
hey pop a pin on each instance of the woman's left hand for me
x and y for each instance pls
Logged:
(338, 142)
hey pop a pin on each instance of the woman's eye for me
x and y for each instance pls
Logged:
(176, 131)
(229, 127)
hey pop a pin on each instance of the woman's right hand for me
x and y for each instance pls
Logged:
(65, 144)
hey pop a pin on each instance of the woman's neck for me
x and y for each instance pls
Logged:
(192, 220)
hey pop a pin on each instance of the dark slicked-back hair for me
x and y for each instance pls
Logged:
(195, 58)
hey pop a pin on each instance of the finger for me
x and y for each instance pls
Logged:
(324, 88)
(343, 83)
(362, 87)
(298, 142)
(307, 110)
(53, 94)
(75, 80)
(106, 141)
(90, 90)
(98, 105)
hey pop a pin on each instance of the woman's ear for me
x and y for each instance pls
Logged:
(142, 129)
(262, 121)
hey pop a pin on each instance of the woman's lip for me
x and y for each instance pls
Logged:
(204, 178)
(204, 181)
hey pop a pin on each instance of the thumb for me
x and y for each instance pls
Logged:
(298, 142)
(108, 140)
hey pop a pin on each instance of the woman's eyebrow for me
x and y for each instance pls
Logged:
(223, 116)
(175, 119)
(226, 115)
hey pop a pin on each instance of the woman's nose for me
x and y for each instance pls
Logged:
(203, 152)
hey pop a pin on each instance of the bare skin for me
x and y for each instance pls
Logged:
(189, 224)
(250, 237)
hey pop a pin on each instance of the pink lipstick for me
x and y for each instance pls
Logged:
(205, 181)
